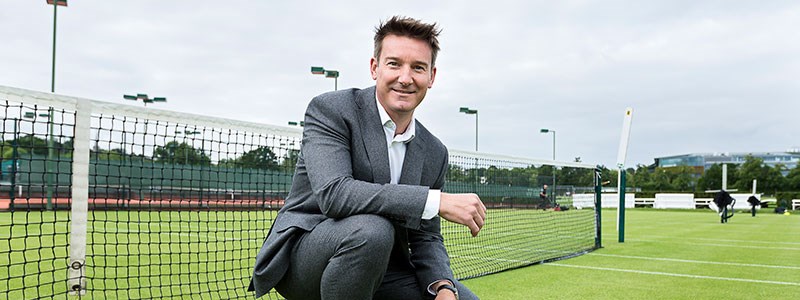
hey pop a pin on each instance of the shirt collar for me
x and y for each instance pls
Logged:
(389, 125)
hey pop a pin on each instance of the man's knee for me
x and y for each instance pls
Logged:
(374, 233)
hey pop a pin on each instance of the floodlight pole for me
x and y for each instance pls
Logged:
(14, 158)
(468, 111)
(545, 130)
(145, 99)
(328, 74)
(53, 69)
(186, 157)
(50, 149)
(49, 163)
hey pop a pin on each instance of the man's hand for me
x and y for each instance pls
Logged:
(445, 294)
(464, 209)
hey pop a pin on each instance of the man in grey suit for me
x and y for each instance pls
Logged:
(362, 220)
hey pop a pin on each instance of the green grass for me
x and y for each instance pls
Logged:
(133, 254)
(185, 254)
(210, 254)
(668, 255)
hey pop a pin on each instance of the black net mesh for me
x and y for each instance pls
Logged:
(177, 209)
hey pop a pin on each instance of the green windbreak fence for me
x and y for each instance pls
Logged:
(107, 201)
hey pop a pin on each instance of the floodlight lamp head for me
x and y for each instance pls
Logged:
(544, 130)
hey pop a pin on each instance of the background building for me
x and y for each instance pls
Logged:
(788, 159)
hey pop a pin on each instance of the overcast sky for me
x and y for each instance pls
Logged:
(701, 76)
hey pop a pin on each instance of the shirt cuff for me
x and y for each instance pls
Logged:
(432, 205)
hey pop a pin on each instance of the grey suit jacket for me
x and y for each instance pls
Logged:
(343, 170)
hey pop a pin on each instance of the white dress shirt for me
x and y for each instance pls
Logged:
(397, 153)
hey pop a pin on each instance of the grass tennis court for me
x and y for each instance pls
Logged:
(669, 255)
(209, 254)
(666, 255)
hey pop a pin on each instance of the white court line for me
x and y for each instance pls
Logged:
(726, 240)
(715, 245)
(752, 247)
(695, 261)
(674, 274)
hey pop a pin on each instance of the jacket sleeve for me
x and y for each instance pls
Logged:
(428, 253)
(327, 156)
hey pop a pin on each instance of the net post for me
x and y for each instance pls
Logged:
(621, 220)
(598, 206)
(76, 279)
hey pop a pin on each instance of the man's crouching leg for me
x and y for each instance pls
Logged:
(340, 259)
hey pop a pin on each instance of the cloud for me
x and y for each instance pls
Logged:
(701, 76)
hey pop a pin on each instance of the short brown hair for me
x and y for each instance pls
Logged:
(408, 27)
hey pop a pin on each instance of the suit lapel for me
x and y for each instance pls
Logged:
(413, 161)
(374, 138)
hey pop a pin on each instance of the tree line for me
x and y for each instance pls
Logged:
(173, 152)
(644, 178)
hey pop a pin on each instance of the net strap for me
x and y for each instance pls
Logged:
(76, 282)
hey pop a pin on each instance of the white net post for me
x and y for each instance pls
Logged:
(76, 282)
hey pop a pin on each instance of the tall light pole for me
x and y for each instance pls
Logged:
(328, 74)
(56, 4)
(49, 161)
(187, 133)
(468, 111)
(145, 99)
(545, 130)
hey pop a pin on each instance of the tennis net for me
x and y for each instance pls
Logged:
(114, 201)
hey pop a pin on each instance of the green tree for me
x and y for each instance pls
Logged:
(262, 158)
(793, 179)
(712, 178)
(456, 173)
(639, 178)
(29, 144)
(575, 176)
(259, 158)
(179, 153)
(769, 179)
(290, 160)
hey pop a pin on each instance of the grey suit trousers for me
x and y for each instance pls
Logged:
(347, 259)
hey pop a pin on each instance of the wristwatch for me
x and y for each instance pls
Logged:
(449, 287)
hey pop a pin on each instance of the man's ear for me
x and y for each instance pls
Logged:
(433, 77)
(373, 68)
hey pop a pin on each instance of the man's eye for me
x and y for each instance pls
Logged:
(392, 63)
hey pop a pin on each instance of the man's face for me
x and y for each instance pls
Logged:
(403, 74)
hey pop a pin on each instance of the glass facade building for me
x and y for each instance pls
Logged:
(704, 160)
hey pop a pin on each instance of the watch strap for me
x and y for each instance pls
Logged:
(449, 287)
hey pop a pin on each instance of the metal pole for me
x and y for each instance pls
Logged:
(14, 157)
(49, 162)
(476, 130)
(598, 240)
(53, 71)
(621, 210)
(554, 167)
(202, 168)
(336, 83)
